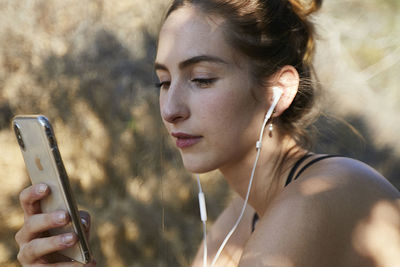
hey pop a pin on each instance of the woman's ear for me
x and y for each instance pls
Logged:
(287, 79)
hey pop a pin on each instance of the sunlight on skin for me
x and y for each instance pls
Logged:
(275, 260)
(378, 236)
(314, 186)
(279, 261)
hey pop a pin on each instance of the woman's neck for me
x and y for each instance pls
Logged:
(270, 175)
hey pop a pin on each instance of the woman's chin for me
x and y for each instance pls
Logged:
(198, 166)
(198, 169)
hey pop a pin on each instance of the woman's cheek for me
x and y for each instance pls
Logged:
(219, 119)
(216, 109)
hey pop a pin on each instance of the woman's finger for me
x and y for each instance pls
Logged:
(37, 248)
(39, 223)
(61, 264)
(67, 264)
(30, 196)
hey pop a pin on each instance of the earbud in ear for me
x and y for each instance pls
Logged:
(277, 93)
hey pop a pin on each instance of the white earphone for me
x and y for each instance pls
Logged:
(277, 93)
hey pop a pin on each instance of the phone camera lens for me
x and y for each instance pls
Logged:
(19, 136)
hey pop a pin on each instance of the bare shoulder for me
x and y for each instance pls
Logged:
(340, 212)
(341, 180)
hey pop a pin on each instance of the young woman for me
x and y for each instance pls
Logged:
(224, 67)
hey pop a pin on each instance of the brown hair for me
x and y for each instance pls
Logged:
(272, 33)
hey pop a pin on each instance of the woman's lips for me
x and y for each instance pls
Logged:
(186, 140)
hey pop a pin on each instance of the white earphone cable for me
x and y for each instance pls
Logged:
(203, 216)
(228, 236)
(277, 94)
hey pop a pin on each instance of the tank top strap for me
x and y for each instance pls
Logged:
(312, 162)
(295, 167)
(254, 221)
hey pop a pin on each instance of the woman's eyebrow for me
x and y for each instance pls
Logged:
(159, 66)
(191, 61)
(202, 58)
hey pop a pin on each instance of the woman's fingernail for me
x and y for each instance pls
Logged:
(60, 217)
(41, 188)
(68, 239)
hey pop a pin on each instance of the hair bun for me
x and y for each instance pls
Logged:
(305, 7)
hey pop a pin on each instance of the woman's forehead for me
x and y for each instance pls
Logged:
(187, 32)
(191, 16)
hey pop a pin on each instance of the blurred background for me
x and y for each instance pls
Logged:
(87, 65)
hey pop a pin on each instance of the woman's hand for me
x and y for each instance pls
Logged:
(37, 248)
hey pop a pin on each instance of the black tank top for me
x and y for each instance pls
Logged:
(292, 174)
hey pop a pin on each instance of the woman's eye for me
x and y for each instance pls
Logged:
(204, 83)
(163, 85)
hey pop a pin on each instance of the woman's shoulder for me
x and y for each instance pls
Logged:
(334, 186)
(339, 176)
(337, 213)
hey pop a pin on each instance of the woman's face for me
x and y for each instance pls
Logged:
(205, 92)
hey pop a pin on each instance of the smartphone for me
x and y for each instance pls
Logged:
(42, 158)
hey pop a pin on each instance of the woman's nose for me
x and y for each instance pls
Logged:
(173, 105)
